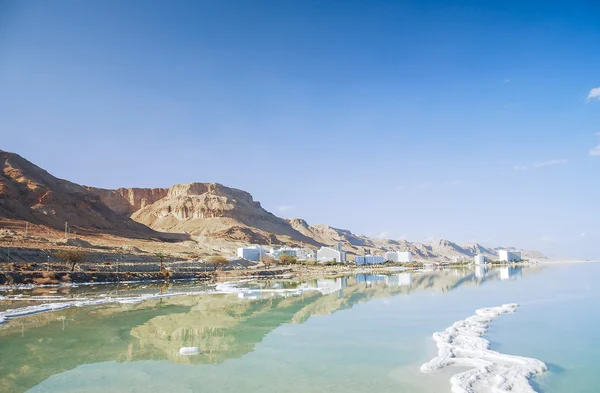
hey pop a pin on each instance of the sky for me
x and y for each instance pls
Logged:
(463, 120)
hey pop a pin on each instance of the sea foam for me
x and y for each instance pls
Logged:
(462, 345)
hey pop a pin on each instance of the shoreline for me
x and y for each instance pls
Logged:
(42, 279)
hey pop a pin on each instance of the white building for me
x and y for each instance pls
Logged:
(250, 253)
(509, 256)
(480, 259)
(328, 254)
(398, 256)
(369, 260)
(459, 259)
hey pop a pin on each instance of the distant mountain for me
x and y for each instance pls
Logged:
(29, 193)
(206, 210)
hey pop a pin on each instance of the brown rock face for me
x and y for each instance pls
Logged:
(125, 201)
(27, 192)
(211, 209)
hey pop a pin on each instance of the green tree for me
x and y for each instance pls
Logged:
(268, 260)
(161, 256)
(287, 259)
(219, 262)
(72, 257)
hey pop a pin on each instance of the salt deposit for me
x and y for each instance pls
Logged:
(462, 345)
(224, 288)
(189, 351)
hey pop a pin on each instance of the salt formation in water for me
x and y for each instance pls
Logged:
(462, 345)
(223, 288)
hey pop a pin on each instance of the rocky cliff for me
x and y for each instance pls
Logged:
(125, 201)
(211, 209)
(207, 210)
(27, 192)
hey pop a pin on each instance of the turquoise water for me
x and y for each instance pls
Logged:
(365, 333)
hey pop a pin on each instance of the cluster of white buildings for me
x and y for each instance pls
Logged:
(335, 254)
(392, 256)
(256, 253)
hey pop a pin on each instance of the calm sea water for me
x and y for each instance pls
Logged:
(358, 334)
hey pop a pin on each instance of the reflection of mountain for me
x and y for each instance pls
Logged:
(224, 326)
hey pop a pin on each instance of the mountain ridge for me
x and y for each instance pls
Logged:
(196, 210)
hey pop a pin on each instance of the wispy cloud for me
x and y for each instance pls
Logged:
(582, 235)
(538, 165)
(595, 151)
(594, 94)
(454, 182)
(285, 208)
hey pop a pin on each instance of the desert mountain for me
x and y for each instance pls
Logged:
(204, 209)
(210, 212)
(126, 201)
(29, 193)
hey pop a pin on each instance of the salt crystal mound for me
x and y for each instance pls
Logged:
(189, 351)
(462, 345)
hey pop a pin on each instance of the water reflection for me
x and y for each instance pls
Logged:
(222, 326)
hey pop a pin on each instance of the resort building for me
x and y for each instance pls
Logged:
(369, 260)
(480, 259)
(398, 256)
(509, 256)
(250, 253)
(459, 259)
(329, 254)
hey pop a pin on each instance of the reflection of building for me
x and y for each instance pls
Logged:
(479, 271)
(509, 256)
(370, 278)
(397, 280)
(250, 253)
(369, 260)
(507, 272)
(331, 254)
(480, 259)
(326, 286)
(398, 256)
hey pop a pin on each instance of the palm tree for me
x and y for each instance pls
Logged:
(161, 256)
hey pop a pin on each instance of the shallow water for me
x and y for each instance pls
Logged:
(351, 334)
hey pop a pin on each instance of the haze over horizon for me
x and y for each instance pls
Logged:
(417, 120)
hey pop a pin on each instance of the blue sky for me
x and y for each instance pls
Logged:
(465, 120)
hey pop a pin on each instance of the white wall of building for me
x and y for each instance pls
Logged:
(326, 254)
(509, 256)
(369, 260)
(249, 253)
(398, 256)
(480, 259)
